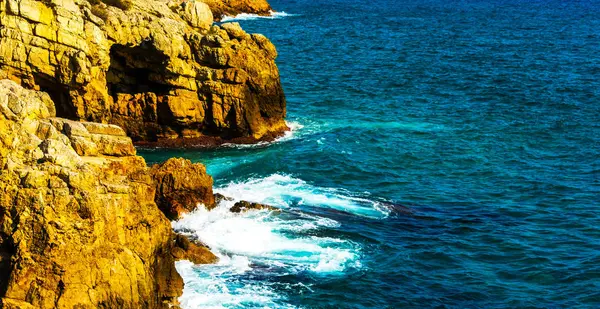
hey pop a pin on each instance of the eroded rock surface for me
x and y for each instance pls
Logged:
(181, 186)
(222, 8)
(159, 69)
(185, 249)
(79, 227)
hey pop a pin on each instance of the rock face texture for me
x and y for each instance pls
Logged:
(181, 186)
(222, 8)
(186, 249)
(79, 227)
(161, 70)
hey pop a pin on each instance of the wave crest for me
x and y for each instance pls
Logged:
(248, 16)
(283, 191)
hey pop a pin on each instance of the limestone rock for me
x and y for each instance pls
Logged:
(222, 8)
(158, 69)
(181, 186)
(78, 229)
(186, 249)
(197, 14)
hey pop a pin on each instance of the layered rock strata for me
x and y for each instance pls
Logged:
(161, 70)
(79, 227)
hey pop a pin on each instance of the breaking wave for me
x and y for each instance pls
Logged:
(247, 16)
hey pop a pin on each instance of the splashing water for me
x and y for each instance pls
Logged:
(247, 16)
(283, 191)
(253, 245)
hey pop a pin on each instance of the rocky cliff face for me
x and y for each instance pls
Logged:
(222, 8)
(79, 227)
(158, 69)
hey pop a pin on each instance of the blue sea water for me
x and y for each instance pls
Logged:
(445, 154)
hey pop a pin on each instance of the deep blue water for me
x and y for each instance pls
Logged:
(446, 155)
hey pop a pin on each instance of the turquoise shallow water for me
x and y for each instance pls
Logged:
(445, 154)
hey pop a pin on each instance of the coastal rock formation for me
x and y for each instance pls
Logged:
(79, 227)
(161, 70)
(180, 186)
(243, 206)
(222, 8)
(186, 249)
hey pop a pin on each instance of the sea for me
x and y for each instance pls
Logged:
(443, 154)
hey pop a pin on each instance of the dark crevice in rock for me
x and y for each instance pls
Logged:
(133, 79)
(132, 68)
(7, 250)
(58, 92)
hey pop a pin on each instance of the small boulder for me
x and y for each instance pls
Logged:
(180, 186)
(243, 206)
(185, 249)
(220, 197)
(234, 30)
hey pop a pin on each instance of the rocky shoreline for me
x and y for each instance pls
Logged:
(84, 222)
(209, 142)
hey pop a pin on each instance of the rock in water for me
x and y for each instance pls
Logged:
(186, 249)
(181, 186)
(159, 69)
(79, 227)
(243, 206)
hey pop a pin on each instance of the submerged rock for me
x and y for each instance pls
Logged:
(159, 69)
(79, 227)
(181, 186)
(243, 206)
(220, 197)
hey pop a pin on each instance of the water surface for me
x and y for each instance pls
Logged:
(445, 154)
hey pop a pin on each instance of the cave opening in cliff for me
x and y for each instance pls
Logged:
(7, 250)
(58, 93)
(136, 70)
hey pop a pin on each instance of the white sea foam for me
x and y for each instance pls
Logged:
(247, 16)
(270, 240)
(283, 190)
(259, 244)
(218, 286)
(292, 133)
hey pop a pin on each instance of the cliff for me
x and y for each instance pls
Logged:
(83, 220)
(79, 226)
(161, 70)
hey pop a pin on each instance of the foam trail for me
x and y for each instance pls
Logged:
(283, 190)
(263, 244)
(247, 16)
(292, 133)
(251, 246)
(216, 286)
(273, 241)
